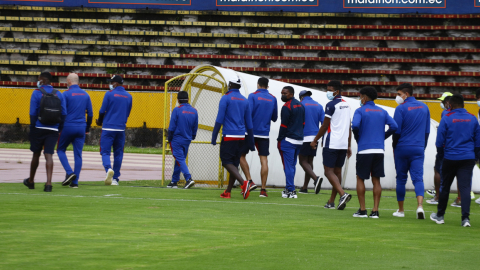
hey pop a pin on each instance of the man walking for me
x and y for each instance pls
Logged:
(78, 104)
(368, 126)
(314, 116)
(235, 116)
(336, 142)
(113, 116)
(458, 140)
(290, 138)
(263, 106)
(409, 143)
(181, 132)
(47, 114)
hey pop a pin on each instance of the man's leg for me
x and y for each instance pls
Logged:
(63, 143)
(51, 140)
(464, 177)
(34, 166)
(449, 171)
(230, 155)
(106, 142)
(361, 192)
(78, 143)
(264, 171)
(245, 167)
(288, 158)
(436, 181)
(118, 145)
(179, 152)
(416, 173)
(377, 192)
(307, 164)
(401, 166)
(49, 167)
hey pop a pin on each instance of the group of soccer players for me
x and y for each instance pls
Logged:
(246, 127)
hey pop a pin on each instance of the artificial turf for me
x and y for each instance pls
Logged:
(132, 227)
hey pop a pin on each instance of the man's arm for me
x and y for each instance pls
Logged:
(222, 108)
(103, 109)
(427, 129)
(89, 112)
(173, 124)
(392, 125)
(284, 116)
(275, 110)
(34, 104)
(398, 117)
(321, 114)
(64, 110)
(249, 126)
(321, 132)
(195, 127)
(356, 122)
(441, 137)
(476, 139)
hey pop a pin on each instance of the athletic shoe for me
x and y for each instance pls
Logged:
(456, 203)
(343, 201)
(374, 214)
(226, 195)
(432, 201)
(48, 188)
(472, 195)
(437, 219)
(69, 179)
(399, 214)
(329, 205)
(246, 189)
(478, 201)
(361, 213)
(318, 184)
(292, 195)
(115, 182)
(466, 222)
(431, 192)
(108, 179)
(263, 193)
(303, 191)
(189, 184)
(284, 193)
(420, 213)
(28, 184)
(73, 185)
(172, 185)
(252, 185)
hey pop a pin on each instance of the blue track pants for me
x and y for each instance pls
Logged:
(74, 135)
(117, 140)
(180, 152)
(409, 159)
(289, 153)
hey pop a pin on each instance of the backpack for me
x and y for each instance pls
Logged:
(50, 108)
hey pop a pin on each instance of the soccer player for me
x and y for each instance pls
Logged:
(235, 116)
(445, 98)
(113, 116)
(368, 127)
(181, 132)
(290, 138)
(458, 139)
(74, 130)
(409, 143)
(336, 142)
(47, 114)
(314, 116)
(263, 106)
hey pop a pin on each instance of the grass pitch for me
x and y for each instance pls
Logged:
(126, 227)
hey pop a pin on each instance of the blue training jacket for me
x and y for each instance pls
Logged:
(459, 132)
(116, 106)
(293, 120)
(368, 126)
(35, 106)
(78, 104)
(413, 120)
(184, 123)
(263, 106)
(234, 113)
(314, 116)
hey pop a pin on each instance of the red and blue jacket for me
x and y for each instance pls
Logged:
(263, 106)
(413, 121)
(314, 116)
(234, 113)
(293, 119)
(183, 123)
(116, 106)
(78, 104)
(459, 132)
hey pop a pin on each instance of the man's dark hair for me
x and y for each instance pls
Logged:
(369, 92)
(337, 85)
(456, 101)
(447, 99)
(290, 89)
(232, 85)
(46, 75)
(406, 87)
(478, 93)
(263, 82)
(182, 97)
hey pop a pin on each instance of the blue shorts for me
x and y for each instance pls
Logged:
(334, 158)
(261, 144)
(370, 164)
(307, 150)
(231, 151)
(45, 139)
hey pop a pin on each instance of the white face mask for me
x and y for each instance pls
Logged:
(478, 103)
(399, 100)
(442, 106)
(39, 84)
(330, 95)
(111, 87)
(361, 103)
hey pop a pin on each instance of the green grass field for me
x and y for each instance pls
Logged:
(132, 227)
(91, 148)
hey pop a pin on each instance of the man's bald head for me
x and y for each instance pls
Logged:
(72, 79)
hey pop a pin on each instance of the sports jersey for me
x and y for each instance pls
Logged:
(263, 106)
(413, 120)
(78, 104)
(338, 111)
(314, 116)
(116, 106)
(184, 122)
(234, 114)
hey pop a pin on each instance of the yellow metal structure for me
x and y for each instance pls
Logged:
(204, 93)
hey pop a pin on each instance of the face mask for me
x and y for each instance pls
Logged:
(361, 103)
(330, 95)
(111, 87)
(442, 106)
(399, 100)
(284, 98)
(39, 84)
(478, 103)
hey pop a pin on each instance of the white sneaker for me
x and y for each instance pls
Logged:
(108, 179)
(420, 213)
(284, 194)
(399, 214)
(472, 195)
(432, 201)
(114, 182)
(478, 201)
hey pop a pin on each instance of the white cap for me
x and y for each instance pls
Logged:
(232, 77)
